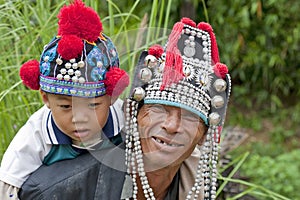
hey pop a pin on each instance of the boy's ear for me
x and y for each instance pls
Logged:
(45, 98)
(113, 99)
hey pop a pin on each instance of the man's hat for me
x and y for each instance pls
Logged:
(186, 73)
(80, 61)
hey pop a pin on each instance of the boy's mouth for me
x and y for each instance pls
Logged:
(81, 133)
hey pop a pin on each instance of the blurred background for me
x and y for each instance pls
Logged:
(259, 41)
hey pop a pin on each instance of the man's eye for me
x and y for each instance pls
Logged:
(190, 117)
(157, 109)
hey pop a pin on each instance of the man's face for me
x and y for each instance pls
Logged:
(82, 119)
(168, 135)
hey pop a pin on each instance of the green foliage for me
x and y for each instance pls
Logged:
(259, 41)
(279, 174)
(247, 188)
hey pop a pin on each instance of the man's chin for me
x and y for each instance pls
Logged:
(153, 162)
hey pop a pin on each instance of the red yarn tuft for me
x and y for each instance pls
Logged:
(30, 74)
(77, 19)
(221, 70)
(205, 26)
(188, 21)
(116, 81)
(214, 47)
(70, 46)
(156, 50)
(173, 66)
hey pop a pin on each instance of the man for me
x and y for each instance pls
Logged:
(173, 120)
(178, 101)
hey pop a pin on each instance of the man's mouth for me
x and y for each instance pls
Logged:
(166, 143)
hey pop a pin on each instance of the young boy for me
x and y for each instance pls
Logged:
(78, 78)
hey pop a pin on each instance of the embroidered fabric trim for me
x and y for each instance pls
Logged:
(55, 86)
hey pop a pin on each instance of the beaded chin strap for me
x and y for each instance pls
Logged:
(186, 74)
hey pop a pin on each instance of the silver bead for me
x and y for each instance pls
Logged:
(59, 61)
(46, 58)
(77, 73)
(59, 76)
(138, 94)
(220, 85)
(192, 38)
(67, 77)
(81, 64)
(75, 79)
(151, 61)
(214, 118)
(70, 72)
(68, 65)
(145, 74)
(74, 65)
(63, 71)
(81, 80)
(217, 101)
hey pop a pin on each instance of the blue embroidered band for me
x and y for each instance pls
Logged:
(55, 86)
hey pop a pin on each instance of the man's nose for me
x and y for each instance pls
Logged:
(172, 122)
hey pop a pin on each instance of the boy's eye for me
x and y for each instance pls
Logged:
(94, 105)
(65, 106)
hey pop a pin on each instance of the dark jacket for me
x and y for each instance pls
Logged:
(95, 175)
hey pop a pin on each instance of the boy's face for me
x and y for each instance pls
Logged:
(82, 119)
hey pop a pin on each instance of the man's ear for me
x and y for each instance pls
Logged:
(202, 139)
(45, 98)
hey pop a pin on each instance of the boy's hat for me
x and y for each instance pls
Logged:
(80, 61)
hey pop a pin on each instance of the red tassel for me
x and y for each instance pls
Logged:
(30, 74)
(173, 65)
(70, 46)
(116, 81)
(214, 47)
(77, 19)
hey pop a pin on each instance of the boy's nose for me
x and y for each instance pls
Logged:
(79, 115)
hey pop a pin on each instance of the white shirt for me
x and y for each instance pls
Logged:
(33, 142)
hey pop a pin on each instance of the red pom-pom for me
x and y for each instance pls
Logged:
(70, 46)
(188, 21)
(156, 50)
(221, 70)
(30, 74)
(116, 81)
(77, 19)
